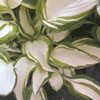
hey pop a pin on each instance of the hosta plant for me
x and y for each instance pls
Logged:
(34, 50)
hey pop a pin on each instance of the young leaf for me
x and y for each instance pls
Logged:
(66, 55)
(23, 69)
(57, 36)
(64, 15)
(29, 3)
(25, 22)
(38, 78)
(89, 46)
(13, 3)
(56, 81)
(39, 51)
(8, 31)
(84, 87)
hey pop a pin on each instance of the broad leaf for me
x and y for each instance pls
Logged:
(84, 87)
(57, 36)
(7, 74)
(89, 46)
(64, 15)
(66, 55)
(8, 31)
(39, 51)
(39, 76)
(25, 22)
(29, 3)
(23, 69)
(13, 3)
(56, 81)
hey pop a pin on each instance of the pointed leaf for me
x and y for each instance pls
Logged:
(38, 78)
(57, 36)
(25, 22)
(64, 15)
(84, 87)
(8, 31)
(29, 3)
(56, 81)
(89, 46)
(66, 55)
(39, 51)
(23, 69)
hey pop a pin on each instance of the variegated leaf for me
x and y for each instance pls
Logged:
(38, 79)
(8, 31)
(56, 81)
(7, 74)
(84, 87)
(39, 51)
(23, 68)
(66, 55)
(89, 46)
(29, 3)
(25, 22)
(57, 36)
(13, 3)
(64, 14)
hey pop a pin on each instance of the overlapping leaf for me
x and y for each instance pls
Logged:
(8, 31)
(38, 79)
(66, 55)
(84, 87)
(39, 51)
(64, 15)
(23, 69)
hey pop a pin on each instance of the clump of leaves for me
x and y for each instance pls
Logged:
(34, 50)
